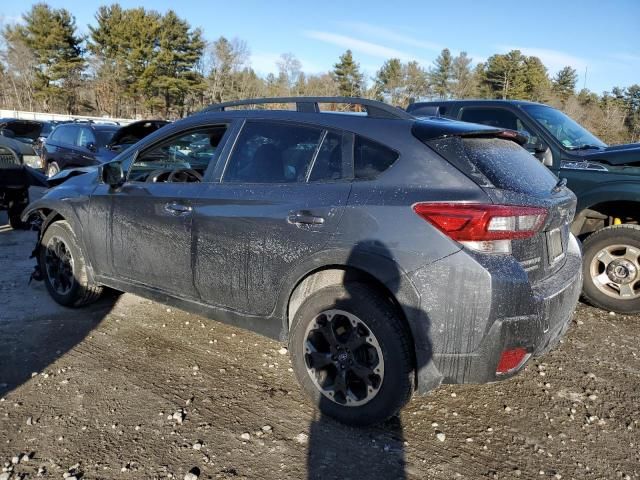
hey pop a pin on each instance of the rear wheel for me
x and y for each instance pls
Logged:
(64, 269)
(611, 267)
(352, 354)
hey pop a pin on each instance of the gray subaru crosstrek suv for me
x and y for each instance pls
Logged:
(392, 253)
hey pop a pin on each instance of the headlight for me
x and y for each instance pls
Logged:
(32, 161)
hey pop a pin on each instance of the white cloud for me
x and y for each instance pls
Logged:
(357, 45)
(626, 57)
(391, 35)
(554, 60)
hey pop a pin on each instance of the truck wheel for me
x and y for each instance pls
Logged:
(52, 169)
(64, 269)
(352, 353)
(611, 268)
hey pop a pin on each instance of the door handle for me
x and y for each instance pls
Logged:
(304, 218)
(175, 208)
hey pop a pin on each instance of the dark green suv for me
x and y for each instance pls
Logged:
(606, 180)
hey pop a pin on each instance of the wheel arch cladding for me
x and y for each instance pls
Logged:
(402, 296)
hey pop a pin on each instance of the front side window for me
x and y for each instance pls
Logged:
(567, 131)
(499, 118)
(66, 135)
(184, 158)
(85, 137)
(273, 153)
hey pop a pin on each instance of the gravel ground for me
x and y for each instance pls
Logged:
(129, 388)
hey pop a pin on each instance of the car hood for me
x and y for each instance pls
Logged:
(133, 132)
(17, 146)
(616, 155)
(26, 131)
(65, 175)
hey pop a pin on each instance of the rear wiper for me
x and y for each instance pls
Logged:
(586, 146)
(559, 186)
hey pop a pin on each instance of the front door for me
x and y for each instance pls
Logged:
(150, 218)
(280, 200)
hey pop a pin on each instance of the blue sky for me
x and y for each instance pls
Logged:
(601, 37)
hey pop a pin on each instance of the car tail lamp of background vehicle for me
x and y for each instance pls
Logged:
(484, 228)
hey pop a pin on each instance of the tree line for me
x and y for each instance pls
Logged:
(140, 63)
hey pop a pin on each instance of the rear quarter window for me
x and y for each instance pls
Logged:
(371, 158)
(496, 162)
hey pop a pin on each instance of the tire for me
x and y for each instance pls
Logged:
(16, 207)
(59, 252)
(52, 169)
(354, 303)
(624, 243)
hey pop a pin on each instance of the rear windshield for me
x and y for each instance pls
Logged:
(496, 162)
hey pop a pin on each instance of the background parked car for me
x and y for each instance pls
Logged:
(26, 133)
(606, 180)
(81, 144)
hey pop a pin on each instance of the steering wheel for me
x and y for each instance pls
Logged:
(157, 176)
(184, 175)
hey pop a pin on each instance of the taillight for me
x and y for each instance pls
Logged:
(511, 360)
(483, 227)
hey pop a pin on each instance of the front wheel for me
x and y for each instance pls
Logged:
(611, 267)
(64, 269)
(352, 354)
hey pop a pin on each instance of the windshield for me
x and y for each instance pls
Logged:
(567, 131)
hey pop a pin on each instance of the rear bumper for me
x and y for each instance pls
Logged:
(502, 312)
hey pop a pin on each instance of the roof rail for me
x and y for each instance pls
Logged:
(374, 108)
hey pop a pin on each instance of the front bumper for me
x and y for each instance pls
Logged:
(494, 310)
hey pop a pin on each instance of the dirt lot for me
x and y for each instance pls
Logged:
(132, 389)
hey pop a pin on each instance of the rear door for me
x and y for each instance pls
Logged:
(280, 199)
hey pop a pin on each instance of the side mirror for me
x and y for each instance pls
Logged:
(113, 175)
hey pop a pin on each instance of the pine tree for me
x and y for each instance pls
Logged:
(564, 83)
(504, 75)
(346, 73)
(50, 35)
(537, 83)
(389, 81)
(179, 50)
(462, 78)
(441, 74)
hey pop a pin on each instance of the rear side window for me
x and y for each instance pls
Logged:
(496, 162)
(273, 153)
(328, 165)
(370, 158)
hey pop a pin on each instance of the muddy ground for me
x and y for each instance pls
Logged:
(128, 388)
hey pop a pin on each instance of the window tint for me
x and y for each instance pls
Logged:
(181, 159)
(498, 117)
(371, 158)
(104, 136)
(66, 135)
(85, 137)
(272, 153)
(328, 163)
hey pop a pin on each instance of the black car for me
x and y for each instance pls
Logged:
(605, 178)
(27, 133)
(392, 253)
(81, 144)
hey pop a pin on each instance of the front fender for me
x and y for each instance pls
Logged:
(609, 192)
